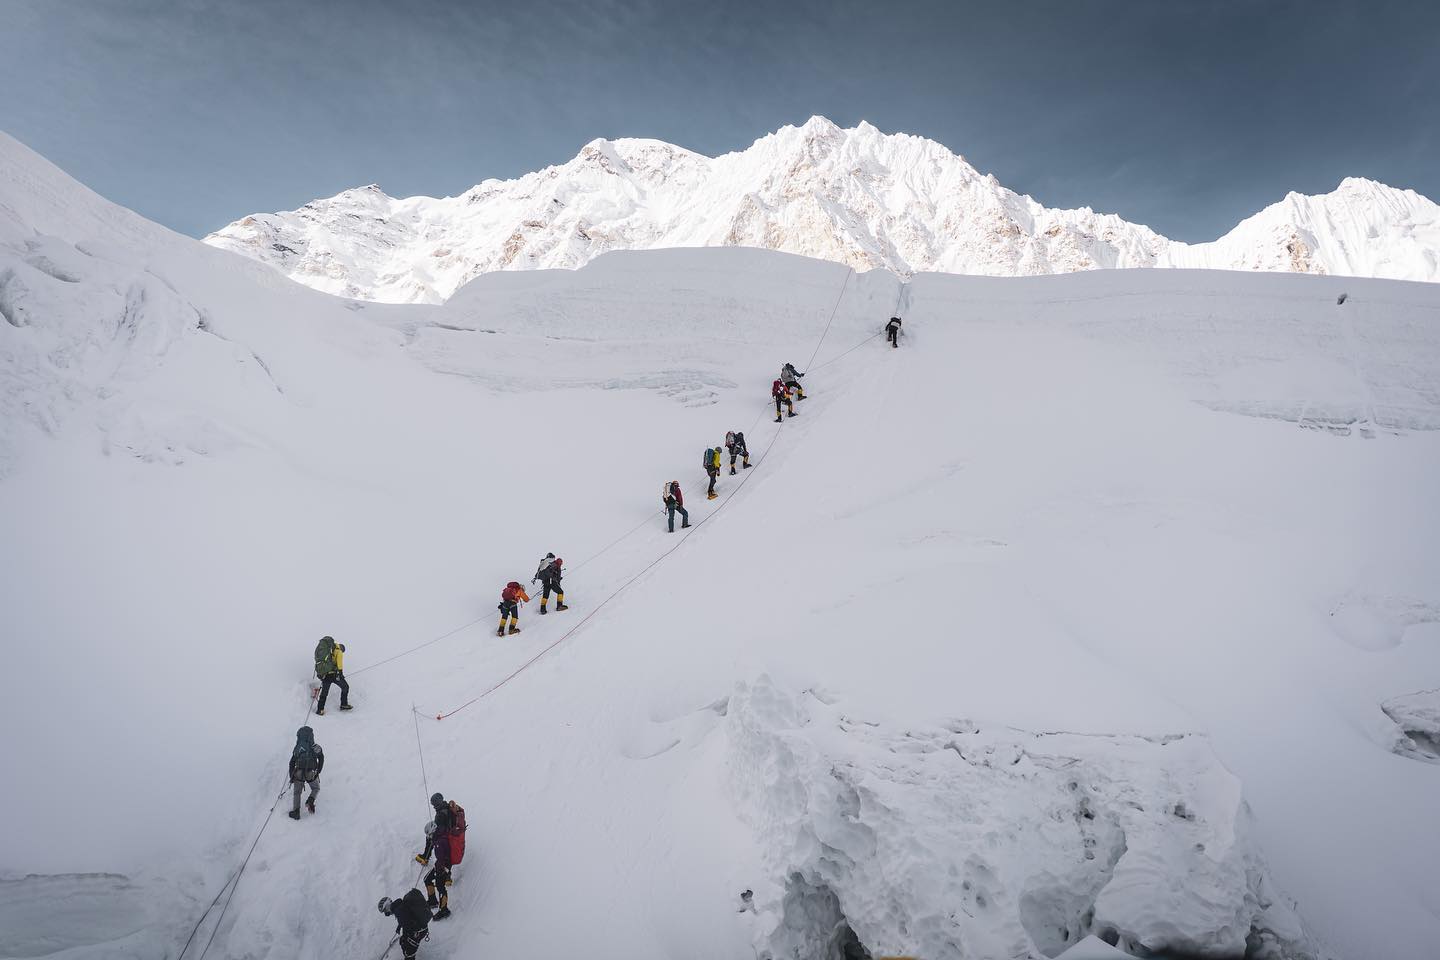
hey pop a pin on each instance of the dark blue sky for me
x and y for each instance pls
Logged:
(1180, 114)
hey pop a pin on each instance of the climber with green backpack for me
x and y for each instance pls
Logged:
(329, 667)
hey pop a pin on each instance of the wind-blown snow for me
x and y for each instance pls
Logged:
(1098, 608)
(857, 197)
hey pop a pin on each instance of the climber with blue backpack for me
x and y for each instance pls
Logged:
(306, 762)
(711, 462)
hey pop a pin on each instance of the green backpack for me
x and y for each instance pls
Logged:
(325, 657)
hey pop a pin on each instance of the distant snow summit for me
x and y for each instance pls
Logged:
(857, 196)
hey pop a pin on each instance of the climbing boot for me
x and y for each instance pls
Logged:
(747, 464)
(441, 914)
(685, 524)
(732, 471)
(562, 605)
(432, 901)
(319, 711)
(294, 814)
(543, 611)
(310, 804)
(346, 706)
(514, 629)
(777, 417)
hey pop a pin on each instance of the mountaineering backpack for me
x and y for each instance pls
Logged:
(665, 495)
(457, 833)
(708, 458)
(304, 763)
(416, 909)
(325, 657)
(729, 439)
(777, 388)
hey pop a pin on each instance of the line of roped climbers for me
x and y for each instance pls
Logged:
(445, 833)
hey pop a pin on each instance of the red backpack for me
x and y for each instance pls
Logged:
(457, 833)
(777, 389)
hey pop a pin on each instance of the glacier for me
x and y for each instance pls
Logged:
(1100, 612)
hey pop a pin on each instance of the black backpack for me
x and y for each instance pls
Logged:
(305, 763)
(413, 913)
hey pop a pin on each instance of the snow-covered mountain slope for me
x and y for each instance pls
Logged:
(858, 197)
(1080, 614)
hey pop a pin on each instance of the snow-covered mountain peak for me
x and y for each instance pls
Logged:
(855, 195)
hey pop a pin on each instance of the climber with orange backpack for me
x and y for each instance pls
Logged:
(510, 599)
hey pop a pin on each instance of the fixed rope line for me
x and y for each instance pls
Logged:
(695, 526)
(843, 284)
(633, 530)
(857, 346)
(601, 605)
(616, 541)
(420, 749)
(196, 929)
(420, 646)
(235, 880)
(445, 636)
(235, 877)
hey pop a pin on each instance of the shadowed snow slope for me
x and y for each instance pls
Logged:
(858, 197)
(1073, 616)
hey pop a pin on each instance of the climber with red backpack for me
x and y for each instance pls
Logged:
(781, 393)
(673, 500)
(510, 599)
(445, 835)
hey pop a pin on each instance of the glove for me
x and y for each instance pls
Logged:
(421, 859)
(341, 646)
(532, 581)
